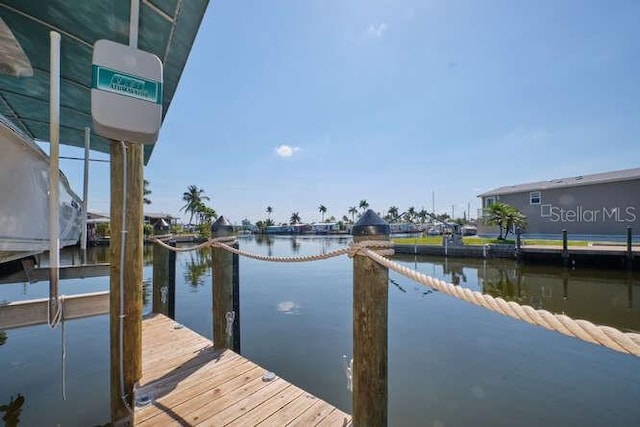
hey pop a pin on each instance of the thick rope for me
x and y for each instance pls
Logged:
(305, 258)
(351, 250)
(208, 243)
(377, 250)
(185, 249)
(603, 335)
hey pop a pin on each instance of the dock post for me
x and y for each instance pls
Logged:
(236, 300)
(565, 249)
(172, 281)
(518, 242)
(370, 312)
(629, 249)
(126, 362)
(164, 280)
(222, 288)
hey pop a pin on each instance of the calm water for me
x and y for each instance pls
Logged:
(450, 363)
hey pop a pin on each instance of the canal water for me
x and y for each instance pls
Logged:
(450, 363)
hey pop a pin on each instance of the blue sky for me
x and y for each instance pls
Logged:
(392, 102)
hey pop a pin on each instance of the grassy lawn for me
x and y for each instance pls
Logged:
(473, 240)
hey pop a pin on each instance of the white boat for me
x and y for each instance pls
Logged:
(24, 198)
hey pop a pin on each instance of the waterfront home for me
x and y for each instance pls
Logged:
(324, 227)
(601, 204)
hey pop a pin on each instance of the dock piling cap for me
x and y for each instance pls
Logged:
(221, 227)
(370, 224)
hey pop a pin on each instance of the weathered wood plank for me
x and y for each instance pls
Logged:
(126, 206)
(190, 383)
(34, 312)
(291, 411)
(246, 403)
(313, 415)
(187, 404)
(267, 408)
(336, 418)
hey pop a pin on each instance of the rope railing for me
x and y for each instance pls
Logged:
(377, 250)
(625, 342)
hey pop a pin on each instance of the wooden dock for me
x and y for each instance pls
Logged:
(188, 383)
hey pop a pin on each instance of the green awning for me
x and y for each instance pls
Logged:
(167, 28)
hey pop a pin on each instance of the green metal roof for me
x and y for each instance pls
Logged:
(167, 29)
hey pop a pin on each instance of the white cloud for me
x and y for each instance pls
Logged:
(376, 31)
(286, 150)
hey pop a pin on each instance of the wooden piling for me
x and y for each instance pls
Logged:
(370, 312)
(164, 280)
(565, 248)
(236, 300)
(222, 286)
(132, 274)
(629, 249)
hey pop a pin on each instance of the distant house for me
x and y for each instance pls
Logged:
(93, 221)
(161, 222)
(324, 227)
(403, 227)
(595, 205)
(288, 229)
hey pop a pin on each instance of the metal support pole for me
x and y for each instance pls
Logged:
(85, 190)
(134, 18)
(370, 314)
(54, 172)
(222, 288)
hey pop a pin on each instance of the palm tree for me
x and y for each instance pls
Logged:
(515, 218)
(295, 218)
(393, 213)
(269, 211)
(363, 205)
(323, 210)
(146, 192)
(423, 216)
(193, 199)
(353, 211)
(207, 214)
(410, 214)
(505, 217)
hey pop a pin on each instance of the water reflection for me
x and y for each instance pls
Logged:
(12, 411)
(295, 245)
(73, 255)
(602, 297)
(196, 265)
(265, 240)
(3, 337)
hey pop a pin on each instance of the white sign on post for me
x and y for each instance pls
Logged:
(126, 93)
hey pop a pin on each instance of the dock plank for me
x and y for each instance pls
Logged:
(316, 413)
(291, 411)
(190, 383)
(267, 408)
